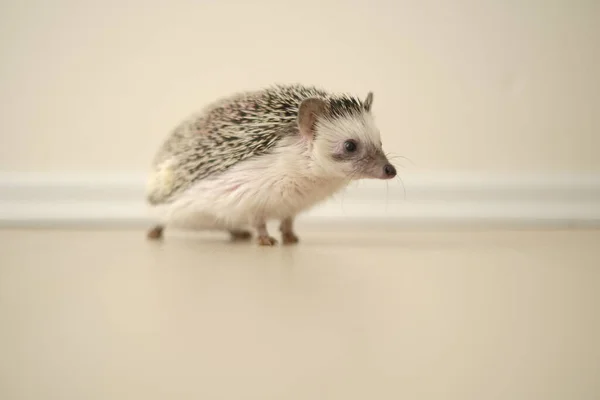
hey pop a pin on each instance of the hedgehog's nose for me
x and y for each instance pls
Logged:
(389, 170)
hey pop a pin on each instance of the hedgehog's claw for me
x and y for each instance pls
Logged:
(267, 241)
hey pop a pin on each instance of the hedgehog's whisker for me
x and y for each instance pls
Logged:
(395, 159)
(396, 162)
(394, 156)
(387, 195)
(403, 186)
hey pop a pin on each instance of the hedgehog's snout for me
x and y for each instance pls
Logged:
(389, 171)
(385, 171)
(379, 167)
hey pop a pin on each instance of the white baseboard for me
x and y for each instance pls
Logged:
(118, 200)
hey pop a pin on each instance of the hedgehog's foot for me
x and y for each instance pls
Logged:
(263, 235)
(289, 238)
(239, 235)
(155, 233)
(267, 241)
(287, 231)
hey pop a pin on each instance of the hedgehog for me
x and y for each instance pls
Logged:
(263, 155)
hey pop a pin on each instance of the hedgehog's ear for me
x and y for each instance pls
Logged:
(308, 112)
(368, 103)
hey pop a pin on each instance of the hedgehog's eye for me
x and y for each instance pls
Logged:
(350, 146)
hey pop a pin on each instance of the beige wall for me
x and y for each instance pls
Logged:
(459, 85)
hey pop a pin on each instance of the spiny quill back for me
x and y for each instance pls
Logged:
(231, 130)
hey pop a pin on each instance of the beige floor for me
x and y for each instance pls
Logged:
(347, 314)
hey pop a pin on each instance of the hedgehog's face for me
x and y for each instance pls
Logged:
(346, 143)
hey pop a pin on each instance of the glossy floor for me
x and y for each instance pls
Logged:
(346, 314)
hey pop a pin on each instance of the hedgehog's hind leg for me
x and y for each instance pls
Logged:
(238, 235)
(156, 232)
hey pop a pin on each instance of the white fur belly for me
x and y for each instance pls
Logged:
(254, 191)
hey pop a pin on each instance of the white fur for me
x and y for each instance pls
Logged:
(274, 186)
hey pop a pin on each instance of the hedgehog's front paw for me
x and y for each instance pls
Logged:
(289, 238)
(287, 231)
(266, 241)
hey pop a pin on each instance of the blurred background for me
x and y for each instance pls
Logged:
(460, 86)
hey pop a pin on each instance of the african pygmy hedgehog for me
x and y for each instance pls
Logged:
(262, 155)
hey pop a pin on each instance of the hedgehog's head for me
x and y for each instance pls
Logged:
(343, 137)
